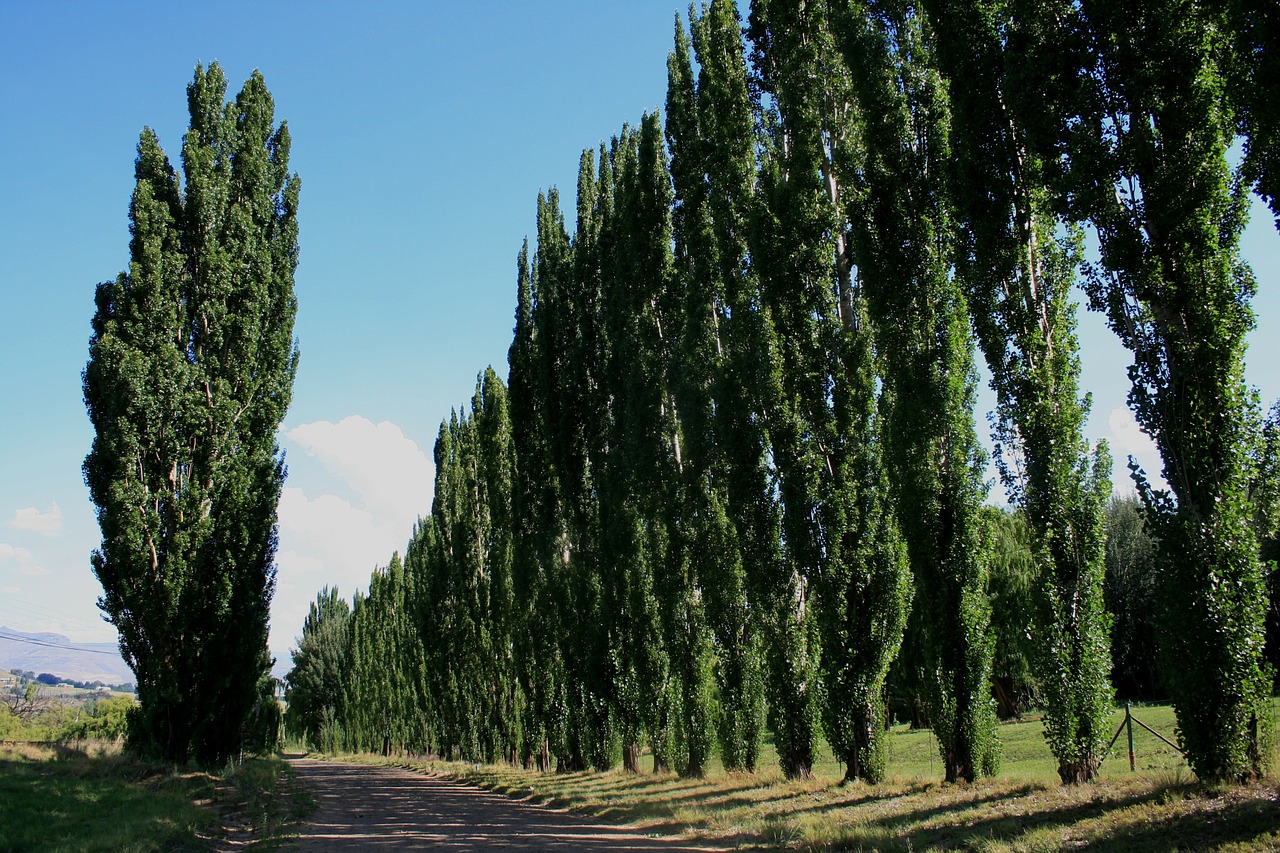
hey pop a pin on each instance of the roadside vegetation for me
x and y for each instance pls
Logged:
(90, 795)
(36, 710)
(1158, 806)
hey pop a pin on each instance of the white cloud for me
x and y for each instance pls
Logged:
(384, 484)
(387, 471)
(1128, 439)
(22, 559)
(328, 533)
(9, 552)
(47, 523)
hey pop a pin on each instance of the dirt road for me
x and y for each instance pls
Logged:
(388, 809)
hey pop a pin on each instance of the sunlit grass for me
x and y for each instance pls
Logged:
(1157, 807)
(91, 797)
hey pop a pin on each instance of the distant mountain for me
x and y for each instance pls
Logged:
(55, 654)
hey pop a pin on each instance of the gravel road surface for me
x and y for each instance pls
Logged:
(388, 809)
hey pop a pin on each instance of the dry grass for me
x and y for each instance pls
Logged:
(1158, 807)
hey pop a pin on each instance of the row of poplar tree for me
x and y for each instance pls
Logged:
(734, 476)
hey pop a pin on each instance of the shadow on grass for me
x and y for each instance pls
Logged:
(1254, 823)
(1250, 818)
(73, 801)
(1006, 826)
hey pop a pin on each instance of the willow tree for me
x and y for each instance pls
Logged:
(901, 235)
(191, 367)
(1147, 122)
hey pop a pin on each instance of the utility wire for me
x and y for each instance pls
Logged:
(33, 642)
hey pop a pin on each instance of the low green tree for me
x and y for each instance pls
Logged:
(1132, 597)
(314, 685)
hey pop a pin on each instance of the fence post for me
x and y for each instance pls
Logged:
(1128, 722)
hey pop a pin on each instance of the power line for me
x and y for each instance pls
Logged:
(33, 642)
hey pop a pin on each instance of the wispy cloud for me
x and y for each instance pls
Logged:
(46, 523)
(21, 559)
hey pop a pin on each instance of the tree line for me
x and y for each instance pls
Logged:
(734, 480)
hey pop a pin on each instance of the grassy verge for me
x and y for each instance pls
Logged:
(261, 800)
(88, 797)
(1157, 807)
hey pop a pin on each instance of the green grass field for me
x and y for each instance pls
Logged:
(1157, 807)
(80, 797)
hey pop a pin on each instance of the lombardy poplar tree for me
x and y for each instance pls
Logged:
(1016, 261)
(537, 659)
(639, 499)
(900, 231)
(748, 404)
(838, 517)
(1148, 123)
(320, 664)
(762, 436)
(717, 569)
(191, 366)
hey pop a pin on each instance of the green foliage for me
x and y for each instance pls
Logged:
(1132, 598)
(715, 587)
(735, 470)
(190, 371)
(1252, 64)
(757, 435)
(1148, 123)
(389, 636)
(839, 529)
(1264, 491)
(1017, 262)
(264, 727)
(1012, 586)
(101, 719)
(901, 238)
(320, 664)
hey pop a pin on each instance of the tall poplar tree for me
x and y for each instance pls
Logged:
(315, 694)
(1016, 260)
(533, 505)
(838, 515)
(902, 247)
(639, 499)
(716, 571)
(190, 372)
(1147, 123)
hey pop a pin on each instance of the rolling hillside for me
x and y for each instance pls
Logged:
(54, 653)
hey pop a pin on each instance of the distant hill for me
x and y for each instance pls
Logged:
(55, 654)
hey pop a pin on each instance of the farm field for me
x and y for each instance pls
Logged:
(1157, 807)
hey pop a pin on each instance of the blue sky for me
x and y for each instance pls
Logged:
(422, 133)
